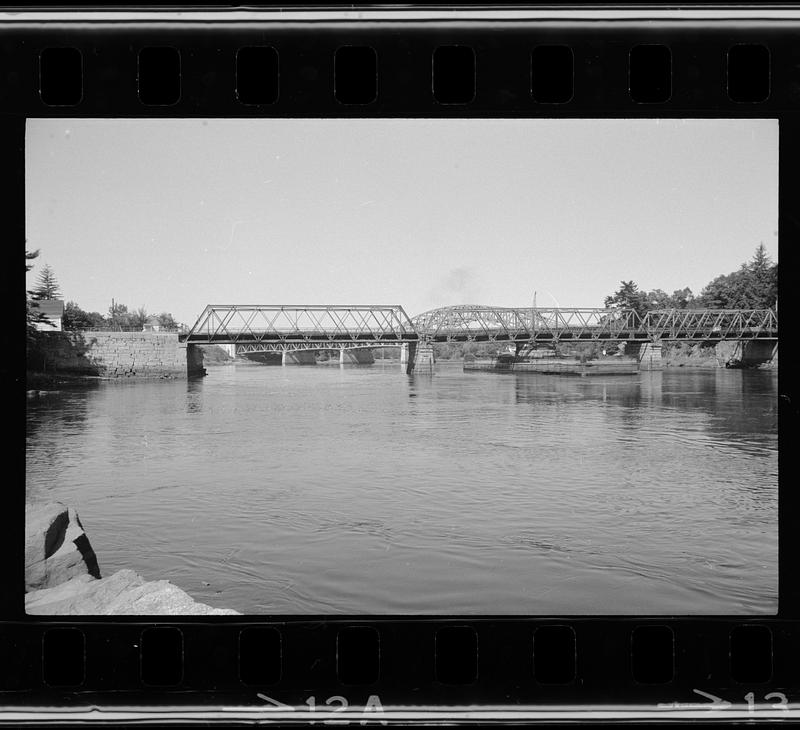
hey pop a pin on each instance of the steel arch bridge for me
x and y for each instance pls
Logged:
(478, 323)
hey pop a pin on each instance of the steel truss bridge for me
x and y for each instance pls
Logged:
(275, 328)
(471, 323)
(264, 328)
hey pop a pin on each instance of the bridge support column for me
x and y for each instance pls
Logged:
(283, 357)
(412, 355)
(341, 356)
(194, 362)
(650, 356)
(404, 354)
(420, 357)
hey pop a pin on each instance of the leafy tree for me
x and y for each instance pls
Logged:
(167, 321)
(659, 299)
(682, 299)
(75, 318)
(139, 318)
(118, 315)
(46, 285)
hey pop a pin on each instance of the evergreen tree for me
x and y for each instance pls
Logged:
(33, 315)
(628, 296)
(753, 286)
(46, 285)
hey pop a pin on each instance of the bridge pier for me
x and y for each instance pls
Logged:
(194, 362)
(404, 354)
(420, 357)
(648, 353)
(650, 356)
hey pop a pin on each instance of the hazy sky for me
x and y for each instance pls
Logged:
(176, 214)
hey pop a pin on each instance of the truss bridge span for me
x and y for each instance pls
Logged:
(477, 323)
(303, 329)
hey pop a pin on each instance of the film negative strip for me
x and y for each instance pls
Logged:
(573, 501)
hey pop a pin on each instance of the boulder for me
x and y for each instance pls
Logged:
(125, 593)
(56, 546)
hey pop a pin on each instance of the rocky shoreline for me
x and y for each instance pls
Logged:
(62, 575)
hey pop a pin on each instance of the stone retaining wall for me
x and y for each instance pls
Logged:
(114, 354)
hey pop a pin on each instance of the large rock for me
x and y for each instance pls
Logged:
(123, 593)
(56, 547)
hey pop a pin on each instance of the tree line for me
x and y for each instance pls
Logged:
(754, 285)
(75, 318)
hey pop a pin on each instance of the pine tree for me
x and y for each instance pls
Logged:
(46, 285)
(628, 296)
(33, 315)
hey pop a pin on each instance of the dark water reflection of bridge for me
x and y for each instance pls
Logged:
(734, 401)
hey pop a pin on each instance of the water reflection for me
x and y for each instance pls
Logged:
(194, 395)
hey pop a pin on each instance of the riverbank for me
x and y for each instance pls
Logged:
(63, 577)
(702, 355)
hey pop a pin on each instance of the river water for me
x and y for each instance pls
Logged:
(320, 489)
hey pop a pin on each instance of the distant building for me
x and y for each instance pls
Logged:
(53, 309)
(151, 325)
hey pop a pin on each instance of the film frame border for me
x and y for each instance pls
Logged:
(608, 638)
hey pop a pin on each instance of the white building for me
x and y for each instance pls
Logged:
(53, 309)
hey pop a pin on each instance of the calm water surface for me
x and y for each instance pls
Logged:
(363, 490)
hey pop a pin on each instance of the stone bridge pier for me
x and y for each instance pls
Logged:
(647, 353)
(420, 357)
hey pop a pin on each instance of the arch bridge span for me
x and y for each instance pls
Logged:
(479, 323)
